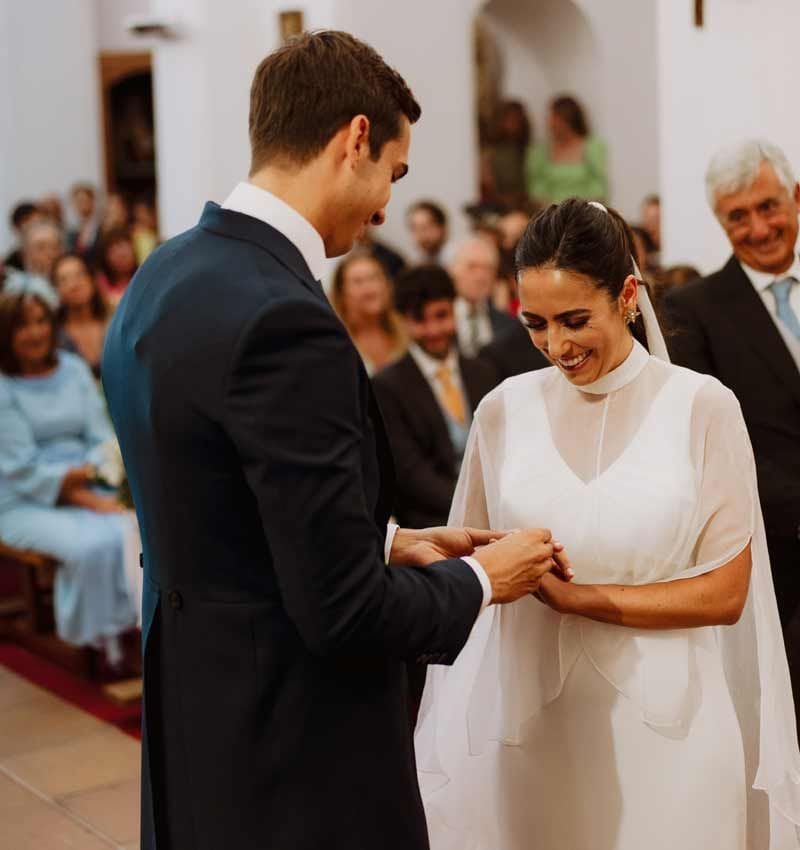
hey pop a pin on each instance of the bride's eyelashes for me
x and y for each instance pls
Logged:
(573, 325)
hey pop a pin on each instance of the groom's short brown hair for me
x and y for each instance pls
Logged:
(306, 91)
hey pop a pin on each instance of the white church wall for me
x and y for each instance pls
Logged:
(50, 133)
(430, 44)
(111, 33)
(732, 79)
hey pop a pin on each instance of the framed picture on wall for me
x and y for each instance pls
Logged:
(291, 24)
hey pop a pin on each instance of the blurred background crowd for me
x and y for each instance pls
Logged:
(441, 317)
(429, 300)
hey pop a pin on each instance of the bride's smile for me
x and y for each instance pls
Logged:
(578, 326)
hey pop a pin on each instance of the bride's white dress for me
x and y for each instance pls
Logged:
(560, 733)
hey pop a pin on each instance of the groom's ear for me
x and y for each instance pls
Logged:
(356, 140)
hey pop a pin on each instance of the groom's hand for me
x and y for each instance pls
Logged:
(423, 546)
(515, 565)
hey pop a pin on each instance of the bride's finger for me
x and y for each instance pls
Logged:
(563, 568)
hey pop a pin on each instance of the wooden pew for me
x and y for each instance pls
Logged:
(28, 618)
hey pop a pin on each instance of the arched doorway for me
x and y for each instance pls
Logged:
(604, 52)
(529, 53)
(127, 98)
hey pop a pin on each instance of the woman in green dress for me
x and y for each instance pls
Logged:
(572, 164)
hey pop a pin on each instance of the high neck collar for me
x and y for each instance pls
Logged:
(627, 371)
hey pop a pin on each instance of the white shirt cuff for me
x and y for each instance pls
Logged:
(480, 574)
(391, 531)
(473, 563)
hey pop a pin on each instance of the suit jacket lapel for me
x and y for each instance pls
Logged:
(383, 508)
(236, 225)
(427, 406)
(753, 321)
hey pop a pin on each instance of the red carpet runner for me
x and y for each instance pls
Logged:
(71, 688)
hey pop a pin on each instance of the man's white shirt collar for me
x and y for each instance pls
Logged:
(762, 280)
(258, 203)
(430, 366)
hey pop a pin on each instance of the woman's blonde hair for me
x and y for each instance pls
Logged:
(390, 320)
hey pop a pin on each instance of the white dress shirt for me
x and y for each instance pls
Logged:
(761, 282)
(430, 366)
(464, 321)
(258, 203)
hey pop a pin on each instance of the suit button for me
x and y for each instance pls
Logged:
(175, 600)
(141, 560)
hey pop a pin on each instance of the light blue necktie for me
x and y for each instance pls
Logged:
(782, 289)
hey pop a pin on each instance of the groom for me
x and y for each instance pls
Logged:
(275, 635)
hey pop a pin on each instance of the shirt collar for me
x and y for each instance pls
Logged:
(251, 200)
(429, 366)
(763, 280)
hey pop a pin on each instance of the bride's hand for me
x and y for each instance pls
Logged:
(560, 595)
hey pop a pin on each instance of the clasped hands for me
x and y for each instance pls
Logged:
(516, 562)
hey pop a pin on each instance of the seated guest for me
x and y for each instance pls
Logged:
(428, 398)
(83, 314)
(54, 427)
(22, 215)
(144, 229)
(116, 215)
(475, 269)
(651, 224)
(572, 163)
(83, 239)
(42, 245)
(665, 280)
(51, 208)
(512, 353)
(427, 223)
(392, 261)
(117, 265)
(362, 296)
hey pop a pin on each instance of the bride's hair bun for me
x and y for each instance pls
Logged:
(583, 237)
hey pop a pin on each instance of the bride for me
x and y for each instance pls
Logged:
(647, 704)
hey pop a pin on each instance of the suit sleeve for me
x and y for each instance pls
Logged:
(293, 410)
(415, 474)
(687, 341)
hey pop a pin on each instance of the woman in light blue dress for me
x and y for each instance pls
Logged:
(53, 426)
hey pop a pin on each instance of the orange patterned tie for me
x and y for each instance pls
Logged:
(451, 395)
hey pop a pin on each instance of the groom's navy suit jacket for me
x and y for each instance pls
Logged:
(274, 635)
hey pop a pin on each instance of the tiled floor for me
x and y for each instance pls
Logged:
(67, 780)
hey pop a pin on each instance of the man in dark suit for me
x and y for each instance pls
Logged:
(513, 353)
(274, 632)
(428, 398)
(474, 267)
(742, 324)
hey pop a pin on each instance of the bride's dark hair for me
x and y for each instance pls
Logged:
(580, 237)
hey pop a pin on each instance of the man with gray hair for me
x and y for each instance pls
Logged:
(742, 325)
(474, 268)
